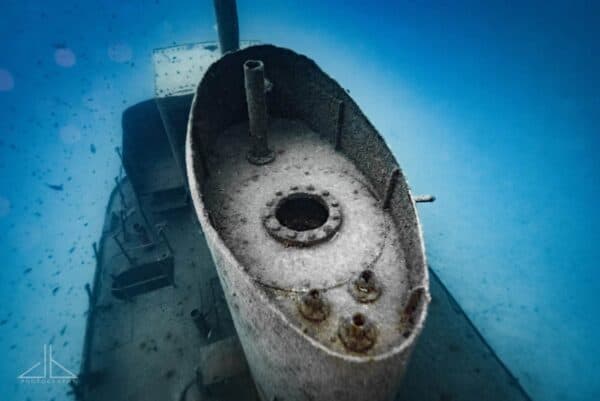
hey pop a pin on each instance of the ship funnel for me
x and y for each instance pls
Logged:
(227, 25)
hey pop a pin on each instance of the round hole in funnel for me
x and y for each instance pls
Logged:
(302, 212)
(358, 319)
(366, 275)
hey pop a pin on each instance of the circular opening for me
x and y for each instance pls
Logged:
(252, 64)
(366, 275)
(358, 319)
(314, 293)
(194, 313)
(301, 213)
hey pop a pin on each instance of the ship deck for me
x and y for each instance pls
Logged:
(149, 346)
(451, 361)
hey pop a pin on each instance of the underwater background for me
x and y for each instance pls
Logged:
(494, 107)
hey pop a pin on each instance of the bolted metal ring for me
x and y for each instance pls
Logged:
(357, 332)
(302, 237)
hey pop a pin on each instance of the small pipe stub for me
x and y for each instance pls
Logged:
(357, 332)
(313, 306)
(258, 119)
(366, 288)
(424, 198)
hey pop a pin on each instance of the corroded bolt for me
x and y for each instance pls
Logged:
(272, 223)
(366, 287)
(313, 306)
(357, 333)
(407, 317)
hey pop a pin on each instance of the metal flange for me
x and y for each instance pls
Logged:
(321, 229)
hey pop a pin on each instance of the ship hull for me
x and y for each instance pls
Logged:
(285, 364)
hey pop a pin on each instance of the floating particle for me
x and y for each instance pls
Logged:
(55, 187)
(64, 57)
(5, 206)
(7, 82)
(70, 134)
(120, 53)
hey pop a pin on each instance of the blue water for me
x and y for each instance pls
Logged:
(493, 107)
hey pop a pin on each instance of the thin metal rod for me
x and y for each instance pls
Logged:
(166, 240)
(88, 291)
(95, 247)
(118, 150)
(227, 25)
(135, 194)
(389, 190)
(424, 198)
(143, 214)
(123, 250)
(123, 226)
(121, 194)
(258, 119)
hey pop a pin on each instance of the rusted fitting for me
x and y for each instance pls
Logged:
(254, 82)
(313, 306)
(407, 317)
(366, 288)
(357, 332)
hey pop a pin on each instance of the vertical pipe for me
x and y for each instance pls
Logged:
(254, 81)
(227, 25)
